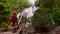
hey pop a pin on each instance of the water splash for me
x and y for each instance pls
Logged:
(19, 16)
(28, 11)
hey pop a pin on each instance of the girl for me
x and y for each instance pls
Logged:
(13, 26)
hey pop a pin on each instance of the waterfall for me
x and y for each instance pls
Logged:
(30, 11)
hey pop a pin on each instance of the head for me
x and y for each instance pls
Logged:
(13, 13)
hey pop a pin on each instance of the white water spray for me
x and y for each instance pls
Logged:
(28, 11)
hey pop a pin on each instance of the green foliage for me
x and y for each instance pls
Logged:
(17, 5)
(48, 11)
(4, 13)
(57, 16)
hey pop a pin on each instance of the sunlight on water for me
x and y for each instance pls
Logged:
(31, 1)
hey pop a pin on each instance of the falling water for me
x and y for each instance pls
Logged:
(30, 11)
